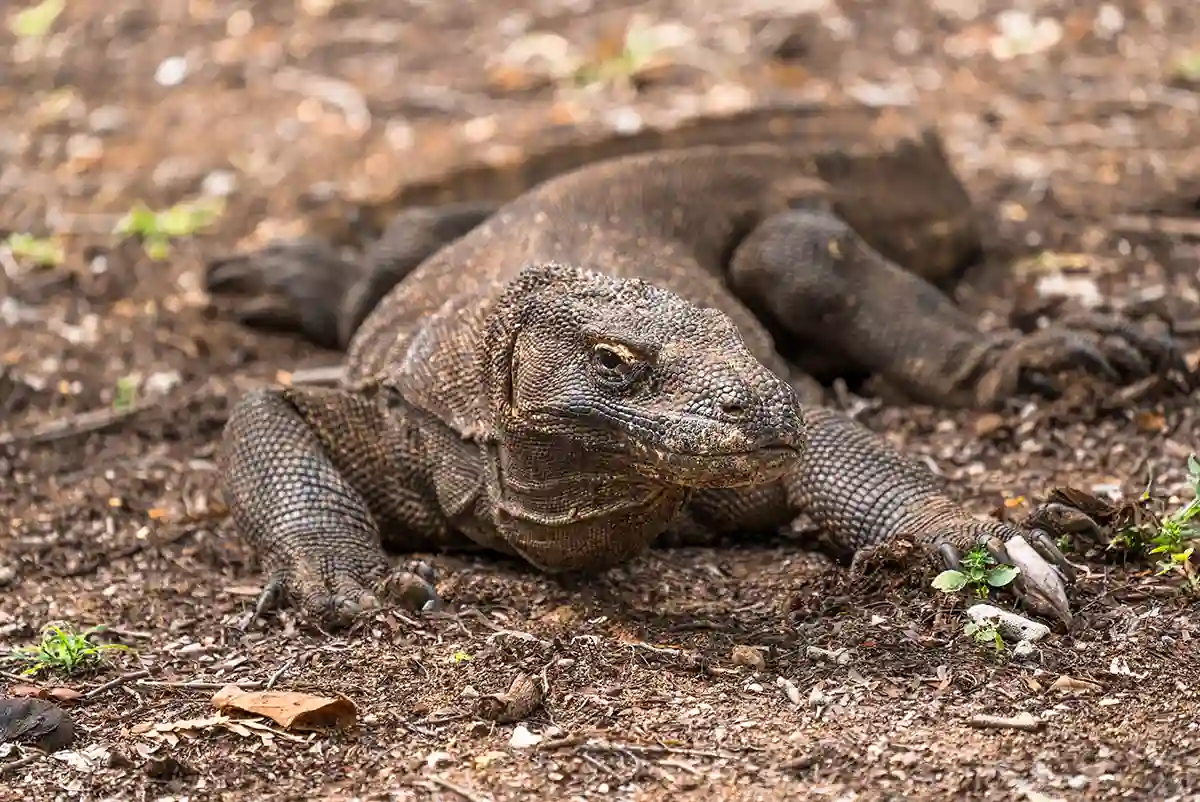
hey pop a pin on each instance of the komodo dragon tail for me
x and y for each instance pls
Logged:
(559, 149)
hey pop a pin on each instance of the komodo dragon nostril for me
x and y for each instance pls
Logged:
(733, 409)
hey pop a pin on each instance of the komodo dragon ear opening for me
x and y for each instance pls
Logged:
(509, 315)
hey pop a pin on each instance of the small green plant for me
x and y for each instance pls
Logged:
(979, 572)
(157, 229)
(1178, 530)
(986, 633)
(36, 21)
(1186, 67)
(126, 394)
(1171, 536)
(38, 251)
(460, 656)
(642, 44)
(63, 649)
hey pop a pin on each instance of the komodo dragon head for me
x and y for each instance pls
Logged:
(631, 377)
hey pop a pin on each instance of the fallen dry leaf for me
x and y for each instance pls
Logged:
(290, 709)
(58, 694)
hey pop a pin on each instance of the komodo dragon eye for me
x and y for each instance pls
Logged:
(616, 364)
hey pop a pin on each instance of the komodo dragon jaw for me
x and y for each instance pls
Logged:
(646, 382)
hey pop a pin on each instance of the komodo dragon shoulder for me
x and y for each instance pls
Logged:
(600, 363)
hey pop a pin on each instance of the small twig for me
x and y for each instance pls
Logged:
(84, 423)
(197, 685)
(20, 763)
(337, 93)
(275, 677)
(605, 770)
(119, 681)
(644, 749)
(1155, 224)
(463, 791)
(1022, 721)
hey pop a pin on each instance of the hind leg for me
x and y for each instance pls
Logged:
(305, 286)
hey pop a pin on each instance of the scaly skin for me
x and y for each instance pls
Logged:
(582, 372)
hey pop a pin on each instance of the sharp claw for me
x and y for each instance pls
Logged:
(1040, 586)
(268, 599)
(950, 555)
(1096, 359)
(1071, 521)
(1049, 550)
(423, 570)
(1042, 384)
(1128, 357)
(995, 547)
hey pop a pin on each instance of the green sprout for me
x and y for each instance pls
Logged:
(1172, 536)
(157, 229)
(979, 571)
(35, 22)
(63, 649)
(126, 395)
(987, 633)
(38, 251)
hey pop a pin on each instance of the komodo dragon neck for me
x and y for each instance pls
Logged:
(567, 506)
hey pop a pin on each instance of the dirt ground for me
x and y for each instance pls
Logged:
(276, 105)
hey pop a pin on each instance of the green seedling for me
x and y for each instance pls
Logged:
(1172, 537)
(986, 633)
(1186, 67)
(642, 44)
(38, 251)
(157, 229)
(979, 572)
(461, 657)
(65, 650)
(1179, 529)
(35, 22)
(126, 394)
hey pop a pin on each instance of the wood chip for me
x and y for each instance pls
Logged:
(517, 703)
(1022, 721)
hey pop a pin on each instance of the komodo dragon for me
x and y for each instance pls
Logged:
(579, 372)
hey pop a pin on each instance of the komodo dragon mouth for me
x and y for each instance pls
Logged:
(714, 468)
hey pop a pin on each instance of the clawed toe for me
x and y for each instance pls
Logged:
(1049, 550)
(1109, 348)
(413, 588)
(1142, 352)
(1040, 584)
(284, 286)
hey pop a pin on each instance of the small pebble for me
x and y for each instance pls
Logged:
(107, 119)
(522, 738)
(171, 71)
(1010, 624)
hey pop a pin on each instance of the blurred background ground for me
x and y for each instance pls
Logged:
(1068, 122)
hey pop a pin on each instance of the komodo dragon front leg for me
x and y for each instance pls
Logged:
(317, 482)
(811, 276)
